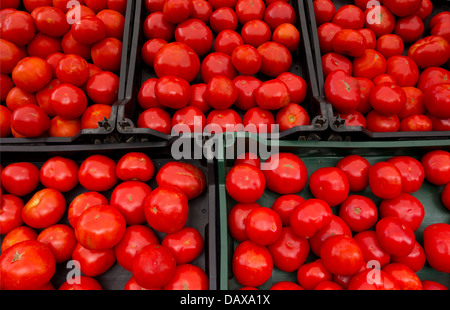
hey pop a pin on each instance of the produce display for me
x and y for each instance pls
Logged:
(60, 66)
(385, 63)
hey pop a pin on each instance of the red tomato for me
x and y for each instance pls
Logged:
(70, 46)
(369, 35)
(59, 173)
(333, 61)
(387, 99)
(372, 279)
(275, 58)
(329, 184)
(196, 34)
(285, 173)
(385, 180)
(288, 35)
(432, 285)
(18, 234)
(221, 121)
(258, 120)
(72, 69)
(292, 115)
(414, 103)
(226, 41)
(425, 10)
(349, 42)
(309, 217)
(103, 88)
(128, 197)
(416, 123)
(403, 7)
(403, 69)
(166, 209)
(436, 240)
(156, 26)
(379, 19)
(437, 167)
(404, 276)
(172, 92)
(135, 166)
(437, 101)
(395, 235)
(223, 18)
(356, 168)
(97, 173)
(247, 10)
(324, 11)
(415, 260)
(326, 33)
(114, 23)
(107, 54)
(248, 158)
(198, 99)
(149, 50)
(371, 248)
(409, 28)
(377, 122)
(184, 176)
(349, 17)
(95, 114)
(296, 84)
(337, 226)
(263, 226)
(155, 119)
(256, 32)
(18, 27)
(289, 251)
(11, 213)
(43, 97)
(201, 10)
(188, 277)
(237, 217)
(279, 12)
(100, 227)
(272, 95)
(221, 93)
(342, 90)
(432, 76)
(310, 274)
(81, 203)
(286, 285)
(135, 238)
(86, 283)
(431, 51)
(96, 5)
(245, 183)
(246, 87)
(186, 244)
(188, 119)
(252, 264)
(26, 265)
(68, 101)
(246, 59)
(412, 171)
(177, 11)
(20, 179)
(61, 240)
(154, 266)
(93, 263)
(359, 212)
(89, 30)
(215, 64)
(32, 74)
(146, 96)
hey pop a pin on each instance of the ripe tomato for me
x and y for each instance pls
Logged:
(184, 176)
(326, 33)
(279, 13)
(215, 64)
(437, 167)
(226, 41)
(246, 87)
(288, 35)
(403, 69)
(333, 61)
(29, 120)
(263, 226)
(432, 285)
(95, 114)
(412, 171)
(245, 183)
(289, 251)
(223, 18)
(18, 234)
(68, 101)
(337, 226)
(26, 265)
(72, 69)
(177, 11)
(196, 34)
(18, 27)
(220, 121)
(81, 203)
(146, 95)
(272, 95)
(154, 266)
(415, 260)
(221, 93)
(236, 220)
(275, 58)
(431, 51)
(20, 179)
(70, 46)
(395, 235)
(10, 213)
(285, 173)
(188, 119)
(329, 184)
(409, 28)
(172, 91)
(414, 103)
(356, 168)
(247, 10)
(256, 32)
(59, 173)
(404, 276)
(107, 54)
(296, 84)
(61, 240)
(135, 238)
(246, 59)
(359, 212)
(349, 42)
(371, 248)
(156, 119)
(349, 17)
(188, 277)
(45, 208)
(342, 90)
(432, 76)
(324, 11)
(201, 10)
(156, 26)
(341, 255)
(309, 217)
(93, 263)
(292, 115)
(114, 23)
(97, 173)
(10, 56)
(198, 99)
(387, 99)
(100, 227)
(258, 120)
(86, 283)
(135, 166)
(379, 19)
(252, 264)
(32, 74)
(186, 244)
(103, 88)
(309, 275)
(372, 279)
(436, 100)
(377, 122)
(390, 45)
(166, 209)
(385, 180)
(128, 197)
(436, 240)
(149, 50)
(403, 7)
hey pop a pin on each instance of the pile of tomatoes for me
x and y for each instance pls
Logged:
(339, 239)
(114, 217)
(384, 69)
(59, 65)
(219, 63)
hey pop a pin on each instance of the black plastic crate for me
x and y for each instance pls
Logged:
(202, 212)
(101, 134)
(336, 123)
(139, 72)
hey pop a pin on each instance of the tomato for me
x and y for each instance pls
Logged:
(154, 266)
(18, 27)
(32, 74)
(387, 99)
(395, 235)
(93, 263)
(68, 101)
(403, 69)
(285, 173)
(43, 97)
(216, 64)
(371, 248)
(103, 88)
(275, 58)
(156, 26)
(10, 56)
(196, 34)
(246, 87)
(296, 84)
(289, 251)
(70, 46)
(59, 173)
(128, 197)
(414, 103)
(404, 276)
(309, 217)
(188, 277)
(292, 115)
(369, 35)
(337, 226)
(354, 118)
(286, 285)
(431, 51)
(377, 122)
(221, 93)
(155, 119)
(188, 119)
(85, 283)
(349, 17)
(172, 92)
(18, 234)
(329, 184)
(288, 35)
(436, 238)
(425, 9)
(432, 285)
(252, 264)
(135, 238)
(198, 99)
(406, 207)
(272, 95)
(11, 213)
(223, 18)
(359, 212)
(95, 114)
(246, 59)
(149, 50)
(342, 90)
(89, 30)
(72, 69)
(263, 226)
(201, 10)
(256, 32)
(45, 208)
(438, 18)
(236, 220)
(97, 173)
(324, 11)
(437, 166)
(226, 41)
(403, 7)
(114, 23)
(61, 240)
(20, 178)
(258, 120)
(326, 33)
(247, 10)
(310, 274)
(245, 183)
(349, 42)
(248, 158)
(100, 227)
(385, 180)
(177, 11)
(81, 203)
(131, 285)
(416, 123)
(412, 171)
(96, 5)
(166, 209)
(279, 12)
(26, 265)
(409, 28)
(356, 168)
(333, 61)
(384, 78)
(135, 166)
(415, 260)
(6, 85)
(186, 244)
(13, 4)
(439, 124)
(223, 3)
(220, 121)
(146, 96)
(370, 279)
(436, 100)
(432, 76)
(379, 19)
